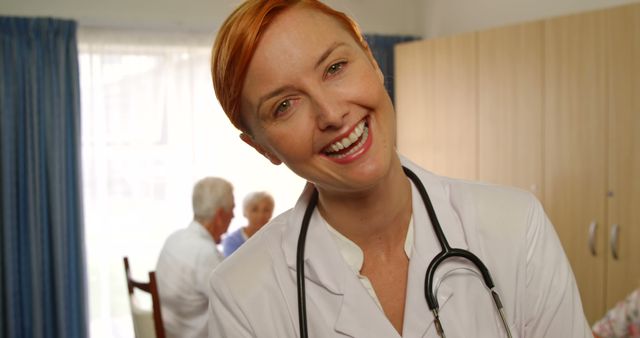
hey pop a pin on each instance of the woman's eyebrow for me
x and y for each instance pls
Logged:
(328, 52)
(273, 93)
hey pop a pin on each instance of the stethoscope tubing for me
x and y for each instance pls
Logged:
(302, 305)
(446, 253)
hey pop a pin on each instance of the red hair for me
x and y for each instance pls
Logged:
(238, 38)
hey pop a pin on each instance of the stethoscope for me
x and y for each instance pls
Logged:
(447, 252)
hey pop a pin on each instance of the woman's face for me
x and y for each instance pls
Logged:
(259, 212)
(315, 100)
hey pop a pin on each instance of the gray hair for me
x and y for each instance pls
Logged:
(209, 195)
(254, 197)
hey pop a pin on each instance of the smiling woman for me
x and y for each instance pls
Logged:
(338, 87)
(300, 82)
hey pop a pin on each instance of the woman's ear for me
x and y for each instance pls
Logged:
(250, 141)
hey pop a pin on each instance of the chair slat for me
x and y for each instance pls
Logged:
(150, 287)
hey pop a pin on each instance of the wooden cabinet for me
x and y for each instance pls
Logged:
(623, 208)
(553, 107)
(510, 104)
(592, 151)
(575, 150)
(438, 77)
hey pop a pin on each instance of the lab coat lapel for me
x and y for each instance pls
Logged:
(323, 263)
(360, 316)
(417, 316)
(356, 314)
(448, 217)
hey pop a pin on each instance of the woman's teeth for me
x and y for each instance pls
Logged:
(361, 130)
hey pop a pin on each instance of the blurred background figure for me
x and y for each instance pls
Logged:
(188, 257)
(257, 208)
(622, 321)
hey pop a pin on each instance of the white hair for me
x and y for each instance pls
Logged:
(255, 197)
(209, 195)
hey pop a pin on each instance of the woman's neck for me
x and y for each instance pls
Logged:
(377, 219)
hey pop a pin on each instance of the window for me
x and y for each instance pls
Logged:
(151, 127)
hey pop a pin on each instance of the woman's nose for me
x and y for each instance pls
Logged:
(330, 112)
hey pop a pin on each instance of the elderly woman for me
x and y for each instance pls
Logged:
(300, 83)
(257, 208)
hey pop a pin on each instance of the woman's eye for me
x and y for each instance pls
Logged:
(283, 107)
(336, 67)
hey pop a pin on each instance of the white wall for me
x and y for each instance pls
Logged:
(449, 17)
(426, 18)
(375, 16)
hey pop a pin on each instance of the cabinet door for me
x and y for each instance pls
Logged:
(575, 151)
(624, 151)
(510, 74)
(436, 104)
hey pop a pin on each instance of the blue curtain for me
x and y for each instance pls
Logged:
(382, 48)
(42, 271)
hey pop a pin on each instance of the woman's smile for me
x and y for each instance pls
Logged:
(349, 147)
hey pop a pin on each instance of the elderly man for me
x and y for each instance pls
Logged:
(188, 257)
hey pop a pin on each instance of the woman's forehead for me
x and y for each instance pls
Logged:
(294, 42)
(303, 23)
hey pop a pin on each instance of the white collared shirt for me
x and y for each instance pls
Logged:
(354, 256)
(185, 262)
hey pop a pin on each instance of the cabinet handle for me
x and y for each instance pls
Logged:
(613, 240)
(592, 237)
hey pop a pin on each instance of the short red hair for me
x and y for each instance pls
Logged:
(238, 38)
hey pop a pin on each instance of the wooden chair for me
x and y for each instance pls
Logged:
(146, 324)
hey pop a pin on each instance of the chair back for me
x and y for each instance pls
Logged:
(146, 324)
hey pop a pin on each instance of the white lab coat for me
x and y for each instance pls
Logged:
(254, 291)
